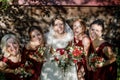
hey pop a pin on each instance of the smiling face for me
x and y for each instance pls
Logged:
(36, 37)
(77, 28)
(58, 26)
(12, 46)
(95, 31)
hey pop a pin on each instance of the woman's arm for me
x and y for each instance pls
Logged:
(3, 68)
(110, 54)
(86, 44)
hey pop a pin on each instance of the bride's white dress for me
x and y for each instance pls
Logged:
(50, 70)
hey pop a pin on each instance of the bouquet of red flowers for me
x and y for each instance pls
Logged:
(61, 56)
(76, 53)
(95, 61)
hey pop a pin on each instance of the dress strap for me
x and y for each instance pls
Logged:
(104, 44)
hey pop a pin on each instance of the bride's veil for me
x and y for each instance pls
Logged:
(51, 32)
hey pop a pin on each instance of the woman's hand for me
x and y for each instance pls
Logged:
(18, 70)
(98, 65)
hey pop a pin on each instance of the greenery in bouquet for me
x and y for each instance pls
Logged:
(62, 58)
(39, 54)
(68, 56)
(64, 62)
(95, 61)
(24, 73)
(76, 53)
(41, 50)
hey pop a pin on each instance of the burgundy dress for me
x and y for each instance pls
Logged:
(36, 66)
(83, 61)
(12, 65)
(108, 72)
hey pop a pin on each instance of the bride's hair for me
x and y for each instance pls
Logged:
(59, 17)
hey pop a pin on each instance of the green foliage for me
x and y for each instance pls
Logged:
(2, 76)
(118, 63)
(4, 4)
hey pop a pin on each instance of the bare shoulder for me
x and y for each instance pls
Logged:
(86, 39)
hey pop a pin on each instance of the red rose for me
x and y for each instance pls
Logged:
(100, 59)
(56, 59)
(75, 61)
(5, 59)
(77, 52)
(22, 65)
(62, 51)
(93, 59)
(32, 71)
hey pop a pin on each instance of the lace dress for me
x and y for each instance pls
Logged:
(50, 69)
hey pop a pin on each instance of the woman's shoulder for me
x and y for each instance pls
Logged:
(86, 38)
(104, 43)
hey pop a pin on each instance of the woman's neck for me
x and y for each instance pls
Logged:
(59, 35)
(80, 36)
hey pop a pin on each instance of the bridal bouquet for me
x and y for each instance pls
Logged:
(95, 61)
(68, 56)
(62, 58)
(76, 53)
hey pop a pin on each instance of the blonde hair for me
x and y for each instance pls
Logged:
(4, 41)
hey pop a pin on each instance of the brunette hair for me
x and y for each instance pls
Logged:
(99, 22)
(59, 18)
(32, 28)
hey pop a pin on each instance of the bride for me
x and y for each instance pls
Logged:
(58, 37)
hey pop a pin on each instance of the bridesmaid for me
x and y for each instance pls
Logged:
(82, 40)
(107, 70)
(12, 61)
(32, 50)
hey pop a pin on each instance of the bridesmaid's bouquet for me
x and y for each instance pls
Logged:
(41, 50)
(39, 54)
(76, 53)
(95, 61)
(24, 71)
